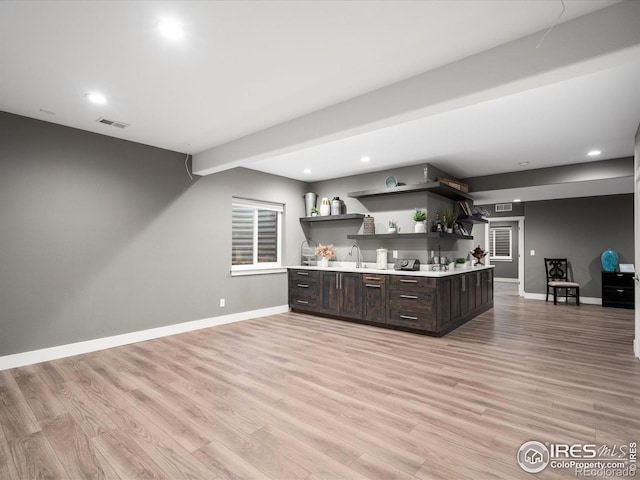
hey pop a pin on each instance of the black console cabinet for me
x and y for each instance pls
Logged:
(618, 290)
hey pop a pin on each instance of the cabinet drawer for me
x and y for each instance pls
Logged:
(403, 318)
(372, 279)
(411, 282)
(414, 299)
(298, 301)
(303, 287)
(310, 275)
(613, 279)
(612, 294)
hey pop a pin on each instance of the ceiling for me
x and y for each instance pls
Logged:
(261, 84)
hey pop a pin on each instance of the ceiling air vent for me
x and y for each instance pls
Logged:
(113, 123)
(504, 207)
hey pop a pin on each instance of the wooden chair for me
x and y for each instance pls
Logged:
(557, 278)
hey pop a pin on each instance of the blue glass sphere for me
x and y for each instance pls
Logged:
(609, 260)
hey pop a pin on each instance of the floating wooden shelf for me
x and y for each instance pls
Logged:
(326, 218)
(394, 236)
(433, 187)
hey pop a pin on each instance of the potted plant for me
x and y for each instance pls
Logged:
(325, 252)
(420, 217)
(314, 212)
(461, 262)
(393, 226)
(451, 217)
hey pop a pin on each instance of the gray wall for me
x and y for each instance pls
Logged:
(507, 268)
(579, 229)
(397, 207)
(102, 236)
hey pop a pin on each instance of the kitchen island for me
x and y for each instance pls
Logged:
(424, 301)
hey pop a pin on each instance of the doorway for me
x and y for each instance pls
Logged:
(506, 234)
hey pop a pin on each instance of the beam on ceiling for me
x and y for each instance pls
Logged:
(587, 44)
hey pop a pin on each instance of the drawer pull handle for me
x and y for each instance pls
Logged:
(408, 317)
(303, 285)
(302, 301)
(412, 297)
(619, 290)
(368, 285)
(372, 278)
(408, 281)
(619, 275)
(303, 273)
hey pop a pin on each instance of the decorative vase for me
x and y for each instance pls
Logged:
(609, 260)
(323, 262)
(325, 207)
(420, 227)
(310, 199)
(450, 230)
(391, 230)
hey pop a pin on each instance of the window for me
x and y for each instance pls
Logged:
(256, 236)
(500, 243)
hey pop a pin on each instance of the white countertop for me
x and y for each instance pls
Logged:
(425, 270)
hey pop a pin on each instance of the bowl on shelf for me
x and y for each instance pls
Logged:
(391, 181)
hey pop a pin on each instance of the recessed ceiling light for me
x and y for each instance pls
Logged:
(594, 153)
(307, 170)
(523, 164)
(516, 200)
(171, 29)
(96, 97)
(365, 159)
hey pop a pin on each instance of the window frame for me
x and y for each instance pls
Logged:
(256, 267)
(492, 244)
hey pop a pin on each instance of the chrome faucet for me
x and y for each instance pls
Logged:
(359, 257)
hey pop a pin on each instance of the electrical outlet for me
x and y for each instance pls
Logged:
(222, 302)
(533, 252)
(395, 254)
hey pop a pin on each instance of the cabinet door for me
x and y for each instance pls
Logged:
(374, 298)
(350, 288)
(443, 303)
(479, 286)
(472, 281)
(456, 297)
(330, 295)
(487, 286)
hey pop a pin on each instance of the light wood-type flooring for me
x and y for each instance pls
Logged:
(294, 396)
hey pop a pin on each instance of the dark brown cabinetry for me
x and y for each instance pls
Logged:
(618, 290)
(411, 302)
(374, 298)
(304, 288)
(431, 305)
(471, 294)
(340, 294)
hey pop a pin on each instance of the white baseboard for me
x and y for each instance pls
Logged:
(505, 280)
(585, 300)
(61, 351)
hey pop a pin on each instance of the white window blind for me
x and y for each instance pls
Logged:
(500, 243)
(256, 235)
